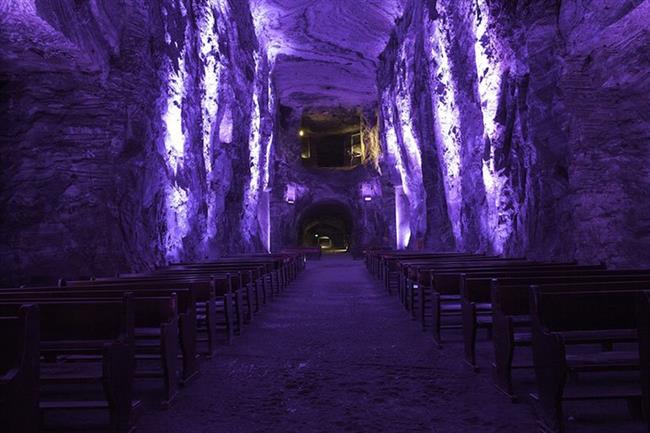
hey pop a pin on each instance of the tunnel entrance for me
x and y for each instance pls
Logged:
(328, 225)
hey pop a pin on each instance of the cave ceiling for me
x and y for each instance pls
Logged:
(326, 51)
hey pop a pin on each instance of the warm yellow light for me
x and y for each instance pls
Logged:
(301, 133)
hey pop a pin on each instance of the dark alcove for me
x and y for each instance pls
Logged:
(328, 224)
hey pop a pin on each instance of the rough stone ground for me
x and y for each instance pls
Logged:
(335, 353)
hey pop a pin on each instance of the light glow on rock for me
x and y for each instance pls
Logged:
(407, 160)
(177, 221)
(414, 156)
(173, 116)
(488, 68)
(269, 141)
(447, 119)
(402, 218)
(498, 222)
(209, 41)
(226, 126)
(392, 145)
(254, 146)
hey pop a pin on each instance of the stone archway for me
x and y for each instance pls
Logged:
(329, 223)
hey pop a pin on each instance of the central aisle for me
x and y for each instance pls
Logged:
(335, 353)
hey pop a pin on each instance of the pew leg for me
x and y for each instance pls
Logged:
(414, 301)
(262, 287)
(270, 288)
(386, 282)
(258, 297)
(25, 405)
(404, 298)
(469, 333)
(551, 375)
(635, 408)
(187, 333)
(436, 317)
(118, 370)
(422, 308)
(238, 310)
(169, 359)
(21, 412)
(249, 304)
(503, 341)
(229, 316)
(211, 323)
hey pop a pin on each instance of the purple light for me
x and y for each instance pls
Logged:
(209, 45)
(251, 196)
(498, 221)
(173, 116)
(225, 127)
(290, 194)
(392, 145)
(174, 140)
(269, 142)
(177, 221)
(402, 218)
(447, 127)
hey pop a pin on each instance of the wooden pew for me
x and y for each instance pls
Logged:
(643, 324)
(260, 281)
(417, 283)
(144, 298)
(562, 319)
(389, 264)
(511, 324)
(476, 299)
(101, 333)
(20, 370)
(442, 293)
(285, 266)
(205, 322)
(409, 270)
(155, 329)
(241, 283)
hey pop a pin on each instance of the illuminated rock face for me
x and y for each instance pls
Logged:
(530, 139)
(139, 132)
(327, 50)
(128, 136)
(297, 190)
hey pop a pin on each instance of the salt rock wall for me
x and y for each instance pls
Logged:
(533, 116)
(126, 134)
(297, 189)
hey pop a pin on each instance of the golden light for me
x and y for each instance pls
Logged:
(301, 133)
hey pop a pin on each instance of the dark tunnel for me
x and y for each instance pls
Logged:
(328, 224)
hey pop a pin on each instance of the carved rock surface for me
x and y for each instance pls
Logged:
(536, 130)
(112, 154)
(327, 50)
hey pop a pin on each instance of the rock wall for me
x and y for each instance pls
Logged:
(296, 189)
(127, 134)
(531, 114)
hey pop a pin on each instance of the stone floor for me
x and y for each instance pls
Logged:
(336, 354)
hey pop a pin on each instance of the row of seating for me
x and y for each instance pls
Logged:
(577, 319)
(81, 344)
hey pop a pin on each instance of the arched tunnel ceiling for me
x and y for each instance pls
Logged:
(326, 50)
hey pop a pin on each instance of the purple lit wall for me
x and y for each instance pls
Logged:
(233, 125)
(135, 133)
(130, 133)
(524, 167)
